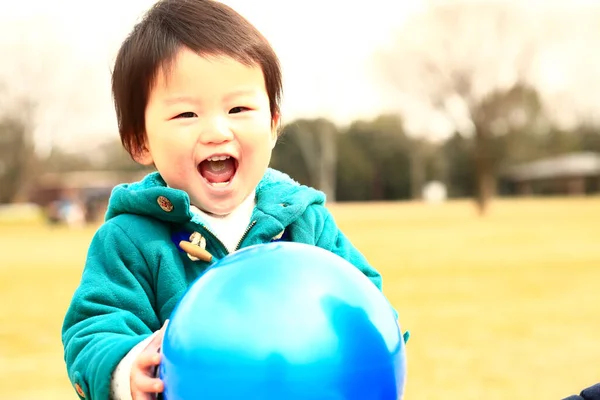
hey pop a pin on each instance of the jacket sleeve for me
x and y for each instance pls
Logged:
(110, 312)
(333, 239)
(120, 385)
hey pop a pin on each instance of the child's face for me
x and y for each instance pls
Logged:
(209, 129)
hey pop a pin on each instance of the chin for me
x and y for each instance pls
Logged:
(218, 210)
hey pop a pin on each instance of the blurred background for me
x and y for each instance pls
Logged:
(458, 143)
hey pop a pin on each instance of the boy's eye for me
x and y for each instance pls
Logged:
(188, 114)
(236, 110)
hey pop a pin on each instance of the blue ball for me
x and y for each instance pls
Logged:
(283, 321)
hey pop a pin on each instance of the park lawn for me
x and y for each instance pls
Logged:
(501, 307)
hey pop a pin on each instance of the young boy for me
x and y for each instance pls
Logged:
(197, 91)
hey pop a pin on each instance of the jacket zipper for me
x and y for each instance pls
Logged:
(244, 235)
(215, 238)
(237, 247)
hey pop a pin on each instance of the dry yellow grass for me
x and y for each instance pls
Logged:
(504, 307)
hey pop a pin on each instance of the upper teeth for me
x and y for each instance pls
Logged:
(218, 158)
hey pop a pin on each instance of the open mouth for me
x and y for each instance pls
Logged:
(218, 171)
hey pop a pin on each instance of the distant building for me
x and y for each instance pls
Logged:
(569, 174)
(65, 194)
(434, 192)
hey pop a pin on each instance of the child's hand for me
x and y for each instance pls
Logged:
(144, 383)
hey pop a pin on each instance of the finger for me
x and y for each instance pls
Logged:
(136, 395)
(146, 360)
(156, 342)
(162, 330)
(165, 325)
(144, 384)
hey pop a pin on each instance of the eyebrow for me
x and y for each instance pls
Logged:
(195, 100)
(240, 93)
(181, 99)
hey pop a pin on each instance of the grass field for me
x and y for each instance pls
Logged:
(505, 307)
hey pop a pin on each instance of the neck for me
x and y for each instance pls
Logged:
(229, 228)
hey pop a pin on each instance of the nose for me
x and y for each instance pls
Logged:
(215, 131)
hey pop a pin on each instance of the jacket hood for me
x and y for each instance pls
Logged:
(276, 194)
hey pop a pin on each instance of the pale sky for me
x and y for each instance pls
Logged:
(61, 52)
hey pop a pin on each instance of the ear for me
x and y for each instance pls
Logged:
(143, 156)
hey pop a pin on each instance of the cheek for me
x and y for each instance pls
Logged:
(172, 142)
(173, 169)
(177, 173)
(171, 153)
(259, 144)
(256, 130)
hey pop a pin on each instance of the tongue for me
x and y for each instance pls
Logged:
(218, 171)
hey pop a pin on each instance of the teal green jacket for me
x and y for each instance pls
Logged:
(135, 272)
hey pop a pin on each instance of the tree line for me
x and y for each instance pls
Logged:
(374, 160)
